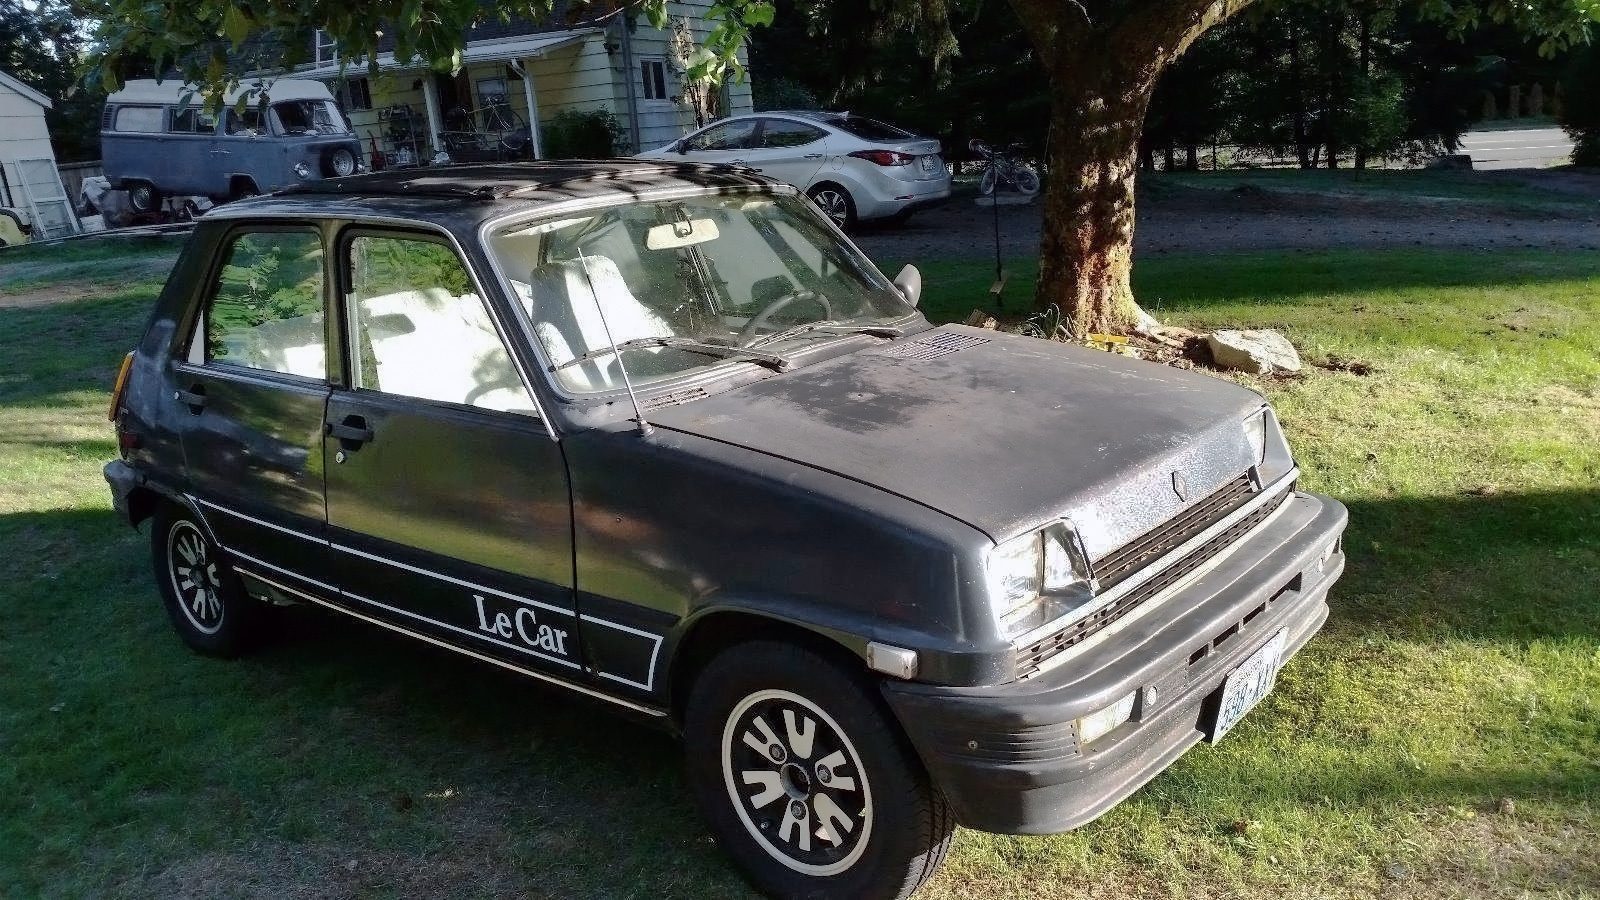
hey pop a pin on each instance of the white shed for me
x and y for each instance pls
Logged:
(29, 181)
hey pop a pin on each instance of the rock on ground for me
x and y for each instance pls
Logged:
(1258, 351)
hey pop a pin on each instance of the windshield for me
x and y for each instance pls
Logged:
(687, 284)
(310, 117)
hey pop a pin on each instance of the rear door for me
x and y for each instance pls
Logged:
(447, 494)
(789, 150)
(249, 391)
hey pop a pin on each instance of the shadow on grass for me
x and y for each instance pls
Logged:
(340, 740)
(1511, 566)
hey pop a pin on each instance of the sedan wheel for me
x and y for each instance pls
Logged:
(836, 204)
(806, 779)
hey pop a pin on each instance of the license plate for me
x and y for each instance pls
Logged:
(930, 163)
(1245, 686)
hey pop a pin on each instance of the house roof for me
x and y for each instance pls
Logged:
(24, 90)
(484, 50)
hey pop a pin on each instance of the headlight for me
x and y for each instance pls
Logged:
(1255, 431)
(1037, 578)
(302, 170)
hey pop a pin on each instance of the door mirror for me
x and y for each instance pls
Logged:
(909, 284)
(682, 146)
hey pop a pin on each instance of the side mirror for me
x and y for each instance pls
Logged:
(681, 146)
(909, 284)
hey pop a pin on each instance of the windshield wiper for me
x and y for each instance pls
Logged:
(725, 351)
(826, 327)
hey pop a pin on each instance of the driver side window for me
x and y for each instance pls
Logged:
(418, 329)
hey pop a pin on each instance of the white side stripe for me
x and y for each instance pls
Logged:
(453, 580)
(488, 659)
(467, 631)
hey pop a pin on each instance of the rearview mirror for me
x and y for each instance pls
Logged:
(909, 284)
(674, 235)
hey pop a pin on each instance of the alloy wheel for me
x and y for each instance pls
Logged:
(797, 782)
(835, 205)
(195, 579)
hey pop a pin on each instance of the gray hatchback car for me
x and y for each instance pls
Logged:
(660, 435)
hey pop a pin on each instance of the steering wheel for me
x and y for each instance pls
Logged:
(777, 305)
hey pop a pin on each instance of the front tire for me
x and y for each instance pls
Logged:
(807, 781)
(205, 601)
(1027, 181)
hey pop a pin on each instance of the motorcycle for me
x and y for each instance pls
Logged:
(1004, 165)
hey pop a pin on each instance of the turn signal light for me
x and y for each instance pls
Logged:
(118, 385)
(885, 157)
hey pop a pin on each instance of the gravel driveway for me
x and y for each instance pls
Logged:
(1186, 220)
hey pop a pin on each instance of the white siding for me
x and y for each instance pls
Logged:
(23, 135)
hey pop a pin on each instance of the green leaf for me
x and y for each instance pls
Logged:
(236, 24)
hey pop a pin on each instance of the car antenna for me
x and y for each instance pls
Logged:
(644, 427)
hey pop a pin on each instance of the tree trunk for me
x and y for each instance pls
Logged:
(1364, 51)
(1192, 158)
(1102, 69)
(1086, 251)
(1302, 143)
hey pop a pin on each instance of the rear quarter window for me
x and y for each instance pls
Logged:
(145, 119)
(870, 129)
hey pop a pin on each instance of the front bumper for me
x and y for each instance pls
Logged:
(1008, 756)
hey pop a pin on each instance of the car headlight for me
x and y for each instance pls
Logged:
(1255, 431)
(1037, 578)
(302, 170)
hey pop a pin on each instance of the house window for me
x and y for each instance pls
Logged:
(491, 91)
(356, 94)
(327, 48)
(653, 72)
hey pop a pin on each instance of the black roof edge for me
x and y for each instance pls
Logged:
(487, 182)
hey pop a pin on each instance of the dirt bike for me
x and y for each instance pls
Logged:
(1004, 165)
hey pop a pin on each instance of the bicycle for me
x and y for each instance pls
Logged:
(1004, 165)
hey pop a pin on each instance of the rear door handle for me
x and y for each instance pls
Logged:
(352, 431)
(194, 398)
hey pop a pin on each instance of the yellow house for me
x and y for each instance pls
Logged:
(610, 60)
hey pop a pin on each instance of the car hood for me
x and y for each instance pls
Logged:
(1000, 431)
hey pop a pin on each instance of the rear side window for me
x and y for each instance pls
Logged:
(267, 309)
(419, 329)
(138, 118)
(778, 133)
(869, 129)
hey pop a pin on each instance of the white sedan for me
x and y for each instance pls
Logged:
(855, 168)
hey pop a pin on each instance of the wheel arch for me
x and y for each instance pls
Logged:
(708, 633)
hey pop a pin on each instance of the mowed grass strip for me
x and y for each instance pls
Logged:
(1459, 670)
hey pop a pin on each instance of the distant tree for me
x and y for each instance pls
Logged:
(1580, 105)
(42, 44)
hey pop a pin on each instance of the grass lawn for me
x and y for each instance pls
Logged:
(1461, 667)
(1464, 191)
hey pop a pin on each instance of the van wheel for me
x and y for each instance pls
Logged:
(243, 189)
(806, 780)
(339, 163)
(204, 599)
(143, 197)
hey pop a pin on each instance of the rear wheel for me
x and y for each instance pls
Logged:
(806, 779)
(205, 601)
(143, 197)
(836, 204)
(987, 182)
(1026, 180)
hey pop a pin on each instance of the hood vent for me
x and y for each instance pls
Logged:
(673, 398)
(932, 346)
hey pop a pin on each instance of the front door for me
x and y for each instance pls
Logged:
(447, 496)
(727, 142)
(250, 390)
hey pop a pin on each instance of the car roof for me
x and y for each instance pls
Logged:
(171, 91)
(466, 193)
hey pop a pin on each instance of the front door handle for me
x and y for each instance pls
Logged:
(815, 155)
(352, 432)
(194, 398)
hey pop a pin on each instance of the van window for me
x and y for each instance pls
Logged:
(192, 120)
(266, 309)
(138, 118)
(248, 123)
(310, 117)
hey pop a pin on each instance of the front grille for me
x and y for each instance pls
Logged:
(1034, 656)
(1130, 557)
